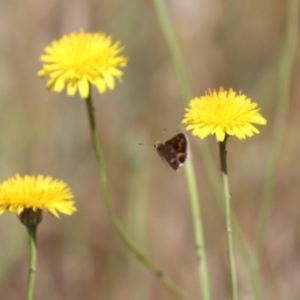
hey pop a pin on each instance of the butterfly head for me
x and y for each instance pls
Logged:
(157, 144)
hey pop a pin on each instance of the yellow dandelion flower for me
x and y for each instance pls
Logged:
(36, 193)
(223, 113)
(80, 59)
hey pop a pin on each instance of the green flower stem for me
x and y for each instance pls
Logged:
(284, 83)
(32, 263)
(168, 283)
(249, 259)
(172, 44)
(189, 170)
(239, 241)
(222, 148)
(198, 229)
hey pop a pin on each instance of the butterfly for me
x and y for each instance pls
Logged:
(173, 151)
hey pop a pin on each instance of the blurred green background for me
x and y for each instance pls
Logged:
(234, 44)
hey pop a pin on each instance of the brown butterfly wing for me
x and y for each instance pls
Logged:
(167, 153)
(180, 145)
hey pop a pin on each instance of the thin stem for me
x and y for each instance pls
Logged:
(249, 259)
(168, 283)
(198, 229)
(284, 83)
(189, 170)
(222, 149)
(32, 263)
(174, 49)
(243, 248)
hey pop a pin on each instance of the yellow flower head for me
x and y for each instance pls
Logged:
(36, 193)
(80, 59)
(223, 113)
